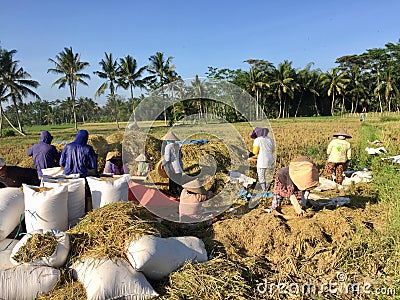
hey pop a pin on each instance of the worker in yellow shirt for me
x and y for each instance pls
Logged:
(339, 151)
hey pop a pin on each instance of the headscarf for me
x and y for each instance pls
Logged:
(82, 137)
(259, 132)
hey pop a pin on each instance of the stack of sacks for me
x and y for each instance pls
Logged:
(11, 210)
(157, 257)
(108, 190)
(75, 199)
(46, 208)
(57, 259)
(112, 279)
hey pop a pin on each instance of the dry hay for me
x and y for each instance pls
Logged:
(105, 231)
(66, 288)
(304, 248)
(217, 278)
(37, 246)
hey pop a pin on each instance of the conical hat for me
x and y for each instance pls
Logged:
(170, 136)
(195, 186)
(303, 173)
(342, 133)
(141, 157)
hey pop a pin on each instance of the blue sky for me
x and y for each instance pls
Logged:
(197, 34)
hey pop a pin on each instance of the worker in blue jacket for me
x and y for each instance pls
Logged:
(78, 157)
(44, 154)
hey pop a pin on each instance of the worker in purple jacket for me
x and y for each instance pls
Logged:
(78, 157)
(44, 154)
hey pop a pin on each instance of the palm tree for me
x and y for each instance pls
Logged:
(69, 64)
(335, 83)
(130, 77)
(255, 82)
(160, 68)
(110, 72)
(15, 83)
(283, 86)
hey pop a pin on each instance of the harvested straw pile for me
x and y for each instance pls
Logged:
(104, 232)
(37, 246)
(218, 278)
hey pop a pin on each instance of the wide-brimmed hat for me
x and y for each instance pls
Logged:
(342, 133)
(141, 157)
(195, 186)
(2, 162)
(304, 173)
(170, 136)
(113, 155)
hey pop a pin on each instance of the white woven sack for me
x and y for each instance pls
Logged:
(27, 282)
(11, 210)
(112, 279)
(57, 259)
(56, 171)
(76, 197)
(6, 247)
(104, 192)
(158, 257)
(47, 209)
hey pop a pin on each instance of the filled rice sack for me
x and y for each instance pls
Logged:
(46, 208)
(27, 282)
(157, 257)
(76, 196)
(108, 190)
(112, 279)
(56, 258)
(6, 247)
(11, 209)
(56, 171)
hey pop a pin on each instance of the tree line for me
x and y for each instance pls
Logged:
(361, 82)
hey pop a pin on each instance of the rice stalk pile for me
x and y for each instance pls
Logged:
(217, 278)
(106, 231)
(37, 246)
(66, 288)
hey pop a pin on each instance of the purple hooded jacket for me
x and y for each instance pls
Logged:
(77, 157)
(44, 155)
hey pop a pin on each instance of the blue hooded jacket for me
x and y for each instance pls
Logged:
(77, 157)
(44, 155)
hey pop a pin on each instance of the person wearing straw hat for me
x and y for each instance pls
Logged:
(143, 166)
(114, 164)
(294, 182)
(172, 163)
(339, 151)
(14, 176)
(193, 193)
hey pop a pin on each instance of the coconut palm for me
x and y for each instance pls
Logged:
(109, 72)
(159, 69)
(131, 77)
(15, 83)
(335, 83)
(283, 86)
(69, 64)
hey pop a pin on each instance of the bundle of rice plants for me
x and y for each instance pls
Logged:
(218, 278)
(106, 231)
(37, 246)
